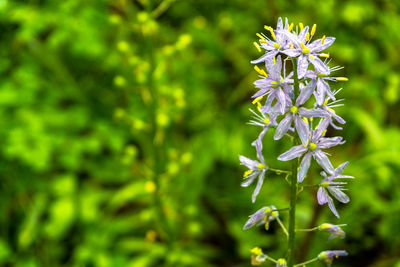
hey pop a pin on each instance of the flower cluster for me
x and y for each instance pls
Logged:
(298, 104)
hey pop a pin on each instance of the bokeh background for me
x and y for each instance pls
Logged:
(122, 121)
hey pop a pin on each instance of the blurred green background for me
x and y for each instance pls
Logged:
(122, 121)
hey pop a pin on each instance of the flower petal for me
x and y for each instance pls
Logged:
(323, 161)
(332, 207)
(317, 46)
(314, 112)
(255, 218)
(303, 130)
(338, 194)
(302, 65)
(322, 196)
(319, 65)
(258, 187)
(327, 142)
(305, 93)
(283, 126)
(265, 57)
(304, 165)
(249, 163)
(292, 153)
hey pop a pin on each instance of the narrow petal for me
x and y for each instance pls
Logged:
(283, 126)
(317, 46)
(304, 165)
(258, 187)
(280, 96)
(323, 161)
(302, 65)
(303, 33)
(249, 179)
(265, 57)
(255, 218)
(305, 93)
(292, 153)
(324, 86)
(338, 194)
(315, 112)
(332, 207)
(303, 130)
(328, 142)
(322, 196)
(291, 52)
(319, 65)
(320, 128)
(249, 163)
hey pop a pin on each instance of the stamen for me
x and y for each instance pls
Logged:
(324, 55)
(274, 59)
(267, 121)
(305, 48)
(247, 173)
(312, 146)
(260, 36)
(293, 109)
(257, 46)
(301, 26)
(290, 27)
(258, 99)
(260, 166)
(268, 28)
(323, 132)
(307, 36)
(260, 71)
(323, 39)
(276, 45)
(314, 28)
(342, 79)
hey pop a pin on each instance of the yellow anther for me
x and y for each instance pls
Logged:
(312, 146)
(267, 210)
(259, 106)
(276, 45)
(256, 100)
(267, 225)
(305, 48)
(257, 46)
(342, 79)
(323, 132)
(314, 28)
(247, 173)
(260, 36)
(274, 213)
(260, 166)
(324, 184)
(293, 109)
(282, 262)
(256, 251)
(331, 110)
(321, 75)
(324, 55)
(307, 36)
(267, 121)
(268, 28)
(282, 79)
(290, 27)
(305, 119)
(260, 71)
(311, 119)
(150, 187)
(301, 26)
(274, 84)
(274, 59)
(325, 102)
(329, 260)
(323, 39)
(311, 56)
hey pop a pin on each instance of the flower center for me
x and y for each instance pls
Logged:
(260, 166)
(266, 121)
(293, 109)
(321, 75)
(274, 84)
(305, 50)
(312, 146)
(324, 184)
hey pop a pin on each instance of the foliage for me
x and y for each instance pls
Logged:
(122, 121)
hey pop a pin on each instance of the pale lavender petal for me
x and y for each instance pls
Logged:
(303, 130)
(316, 46)
(321, 128)
(332, 207)
(275, 70)
(280, 95)
(283, 126)
(279, 25)
(324, 86)
(323, 161)
(305, 93)
(319, 65)
(308, 113)
(292, 153)
(302, 65)
(291, 52)
(322, 196)
(303, 33)
(255, 218)
(258, 187)
(265, 57)
(304, 165)
(328, 142)
(249, 179)
(338, 194)
(249, 163)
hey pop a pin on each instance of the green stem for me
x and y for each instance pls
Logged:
(306, 262)
(293, 183)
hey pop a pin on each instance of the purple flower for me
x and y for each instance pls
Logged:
(312, 143)
(328, 185)
(330, 113)
(307, 51)
(328, 256)
(278, 43)
(295, 113)
(263, 216)
(274, 86)
(335, 230)
(256, 168)
(257, 256)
